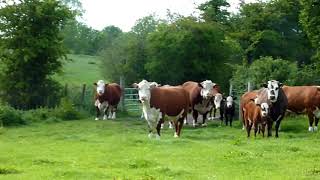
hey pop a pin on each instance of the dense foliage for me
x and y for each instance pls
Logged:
(31, 50)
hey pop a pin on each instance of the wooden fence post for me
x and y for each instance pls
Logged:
(122, 86)
(83, 94)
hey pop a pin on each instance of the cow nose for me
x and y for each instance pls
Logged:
(272, 97)
(143, 98)
(100, 92)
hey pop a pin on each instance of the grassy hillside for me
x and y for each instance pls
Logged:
(82, 69)
(120, 149)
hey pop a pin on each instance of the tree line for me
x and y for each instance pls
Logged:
(276, 39)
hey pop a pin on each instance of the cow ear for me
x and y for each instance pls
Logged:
(234, 97)
(134, 85)
(200, 85)
(280, 84)
(264, 85)
(95, 84)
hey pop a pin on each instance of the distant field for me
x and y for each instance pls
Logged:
(83, 69)
(120, 149)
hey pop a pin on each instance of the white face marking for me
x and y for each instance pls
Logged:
(264, 109)
(217, 100)
(273, 90)
(206, 90)
(144, 91)
(100, 87)
(229, 101)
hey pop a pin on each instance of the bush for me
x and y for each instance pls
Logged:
(10, 116)
(67, 111)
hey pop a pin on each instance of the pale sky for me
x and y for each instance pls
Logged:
(124, 13)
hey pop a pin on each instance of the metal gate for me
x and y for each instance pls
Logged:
(131, 100)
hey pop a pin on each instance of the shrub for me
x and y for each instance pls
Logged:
(67, 110)
(10, 116)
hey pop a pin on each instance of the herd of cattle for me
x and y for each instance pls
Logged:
(259, 108)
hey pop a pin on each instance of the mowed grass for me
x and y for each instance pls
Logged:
(120, 149)
(83, 69)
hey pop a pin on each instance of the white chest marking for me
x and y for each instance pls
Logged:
(203, 107)
(101, 106)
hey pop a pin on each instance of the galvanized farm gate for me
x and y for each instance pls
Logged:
(131, 100)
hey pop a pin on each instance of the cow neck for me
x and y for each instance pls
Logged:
(205, 102)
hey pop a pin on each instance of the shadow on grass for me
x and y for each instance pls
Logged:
(5, 171)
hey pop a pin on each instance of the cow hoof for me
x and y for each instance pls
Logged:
(315, 128)
(194, 125)
(105, 117)
(185, 122)
(150, 135)
(96, 119)
(170, 126)
(204, 125)
(175, 135)
(310, 129)
(161, 126)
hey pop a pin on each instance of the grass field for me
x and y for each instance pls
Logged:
(83, 69)
(120, 149)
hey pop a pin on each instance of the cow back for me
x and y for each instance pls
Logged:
(170, 100)
(193, 90)
(112, 94)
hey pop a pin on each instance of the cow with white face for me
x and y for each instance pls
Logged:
(162, 103)
(107, 98)
(201, 98)
(229, 109)
(273, 87)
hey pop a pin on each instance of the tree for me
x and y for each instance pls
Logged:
(310, 19)
(215, 11)
(188, 50)
(31, 50)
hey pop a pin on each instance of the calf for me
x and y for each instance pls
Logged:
(275, 97)
(304, 99)
(162, 103)
(200, 97)
(246, 98)
(107, 98)
(229, 109)
(255, 114)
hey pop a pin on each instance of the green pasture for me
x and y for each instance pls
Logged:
(82, 69)
(120, 149)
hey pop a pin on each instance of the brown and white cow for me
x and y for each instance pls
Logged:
(201, 96)
(107, 98)
(162, 103)
(304, 99)
(255, 115)
(246, 98)
(275, 97)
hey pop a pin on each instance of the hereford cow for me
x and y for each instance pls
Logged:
(229, 110)
(201, 96)
(275, 97)
(304, 99)
(163, 103)
(246, 98)
(255, 115)
(107, 98)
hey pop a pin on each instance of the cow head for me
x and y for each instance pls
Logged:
(264, 107)
(229, 101)
(206, 89)
(144, 90)
(273, 87)
(100, 87)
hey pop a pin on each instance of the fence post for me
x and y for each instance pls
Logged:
(83, 94)
(230, 89)
(249, 86)
(122, 86)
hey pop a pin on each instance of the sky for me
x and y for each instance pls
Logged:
(124, 13)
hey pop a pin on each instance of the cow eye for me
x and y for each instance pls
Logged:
(277, 88)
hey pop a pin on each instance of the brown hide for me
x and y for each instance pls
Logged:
(302, 98)
(246, 98)
(170, 100)
(252, 112)
(112, 94)
(193, 90)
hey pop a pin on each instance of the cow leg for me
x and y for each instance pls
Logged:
(98, 113)
(159, 127)
(195, 117)
(263, 126)
(204, 117)
(226, 119)
(176, 125)
(316, 124)
(231, 118)
(214, 112)
(249, 125)
(114, 109)
(311, 119)
(109, 111)
(269, 125)
(180, 124)
(255, 126)
(277, 126)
